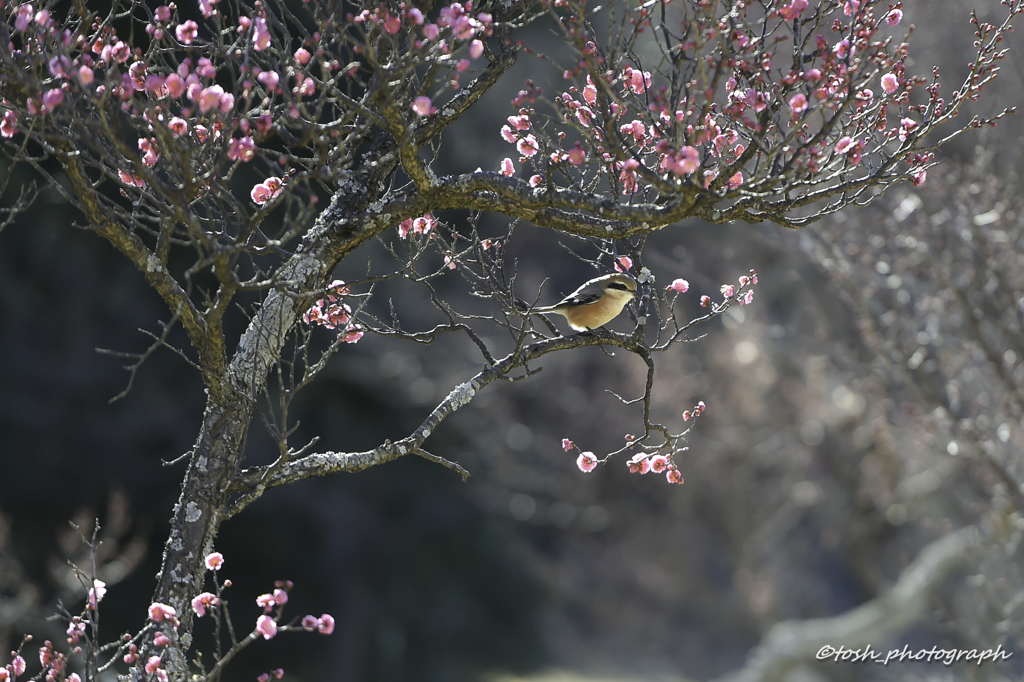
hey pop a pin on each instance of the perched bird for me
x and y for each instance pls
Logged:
(596, 303)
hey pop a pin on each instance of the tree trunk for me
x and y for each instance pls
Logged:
(197, 518)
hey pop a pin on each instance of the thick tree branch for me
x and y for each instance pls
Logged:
(791, 643)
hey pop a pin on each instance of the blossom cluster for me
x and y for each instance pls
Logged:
(640, 463)
(179, 92)
(333, 313)
(744, 295)
(707, 131)
(423, 225)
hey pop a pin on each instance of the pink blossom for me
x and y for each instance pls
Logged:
(156, 85)
(269, 78)
(587, 462)
(424, 224)
(352, 336)
(528, 146)
(8, 127)
(521, 122)
(415, 16)
(639, 464)
(325, 625)
(792, 10)
(798, 103)
(162, 13)
(728, 290)
(634, 128)
(262, 193)
(121, 52)
(206, 7)
(308, 87)
(659, 463)
(159, 612)
(637, 81)
(261, 34)
(310, 623)
(302, 56)
(585, 116)
(242, 149)
(187, 32)
(842, 48)
(736, 180)
(746, 298)
(536, 180)
(22, 17)
(206, 69)
(137, 73)
(97, 592)
(844, 144)
(175, 85)
(919, 178)
(430, 31)
(889, 83)
(178, 126)
(160, 639)
(680, 285)
(58, 66)
(508, 134)
(623, 263)
(683, 162)
(894, 17)
(463, 28)
(150, 154)
(210, 98)
(201, 132)
(203, 601)
(74, 632)
(392, 25)
(266, 626)
(152, 664)
(18, 665)
(577, 156)
(423, 106)
(590, 93)
(674, 476)
(566, 444)
(52, 99)
(907, 126)
(129, 179)
(404, 228)
(507, 168)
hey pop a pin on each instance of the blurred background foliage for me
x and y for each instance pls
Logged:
(868, 402)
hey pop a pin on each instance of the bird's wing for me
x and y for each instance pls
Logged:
(581, 297)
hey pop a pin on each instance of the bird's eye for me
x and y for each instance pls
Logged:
(618, 285)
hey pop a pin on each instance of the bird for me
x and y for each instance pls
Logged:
(596, 303)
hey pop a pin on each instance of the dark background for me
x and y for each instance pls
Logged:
(790, 508)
